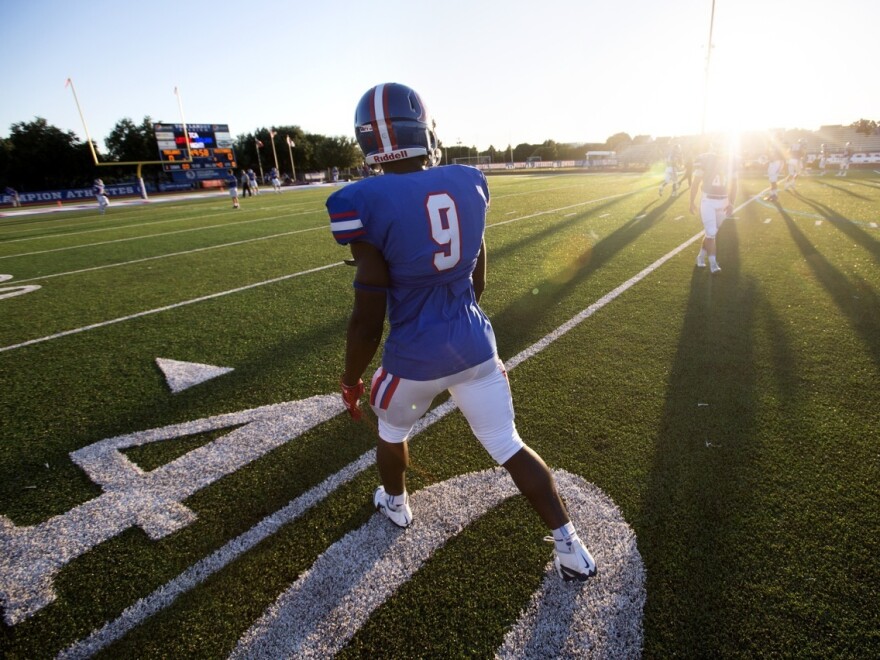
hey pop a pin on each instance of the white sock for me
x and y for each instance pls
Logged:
(702, 254)
(712, 260)
(564, 535)
(395, 501)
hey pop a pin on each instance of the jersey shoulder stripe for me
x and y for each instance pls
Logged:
(346, 226)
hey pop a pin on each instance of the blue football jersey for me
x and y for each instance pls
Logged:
(429, 227)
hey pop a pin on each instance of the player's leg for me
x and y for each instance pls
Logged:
(398, 404)
(486, 403)
(709, 216)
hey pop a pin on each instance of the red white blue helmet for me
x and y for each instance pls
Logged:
(391, 123)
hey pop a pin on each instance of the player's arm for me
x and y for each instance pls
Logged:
(479, 275)
(367, 318)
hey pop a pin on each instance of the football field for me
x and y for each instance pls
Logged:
(178, 479)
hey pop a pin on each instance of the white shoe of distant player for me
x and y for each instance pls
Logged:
(701, 262)
(574, 563)
(400, 515)
(715, 268)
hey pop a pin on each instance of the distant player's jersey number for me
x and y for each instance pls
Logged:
(445, 230)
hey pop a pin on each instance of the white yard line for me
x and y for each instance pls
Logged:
(148, 312)
(102, 324)
(149, 236)
(170, 254)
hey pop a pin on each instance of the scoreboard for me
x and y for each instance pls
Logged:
(210, 149)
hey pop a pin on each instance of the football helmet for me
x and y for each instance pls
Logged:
(391, 123)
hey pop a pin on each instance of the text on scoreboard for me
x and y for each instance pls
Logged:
(209, 147)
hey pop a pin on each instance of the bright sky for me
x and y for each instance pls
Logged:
(491, 71)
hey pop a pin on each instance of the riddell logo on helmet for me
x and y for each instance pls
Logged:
(397, 155)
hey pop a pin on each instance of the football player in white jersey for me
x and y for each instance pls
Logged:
(100, 195)
(774, 171)
(795, 154)
(673, 165)
(847, 156)
(716, 176)
(823, 160)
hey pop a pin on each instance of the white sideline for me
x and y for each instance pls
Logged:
(165, 595)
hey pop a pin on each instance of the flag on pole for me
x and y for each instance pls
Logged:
(67, 83)
(259, 143)
(290, 142)
(175, 91)
(271, 133)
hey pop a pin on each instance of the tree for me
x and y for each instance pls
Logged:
(866, 126)
(618, 141)
(129, 142)
(522, 151)
(341, 152)
(546, 151)
(44, 157)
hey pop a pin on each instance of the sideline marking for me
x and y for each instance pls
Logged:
(15, 290)
(183, 375)
(329, 602)
(31, 556)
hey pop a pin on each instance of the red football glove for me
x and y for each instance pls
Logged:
(351, 395)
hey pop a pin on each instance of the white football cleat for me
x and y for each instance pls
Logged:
(576, 563)
(715, 268)
(701, 263)
(400, 515)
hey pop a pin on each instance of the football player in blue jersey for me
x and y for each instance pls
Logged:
(416, 241)
(716, 175)
(232, 186)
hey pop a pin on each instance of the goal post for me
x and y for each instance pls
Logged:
(140, 164)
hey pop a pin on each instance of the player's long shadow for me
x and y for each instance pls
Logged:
(856, 233)
(591, 210)
(528, 311)
(861, 182)
(844, 190)
(690, 523)
(858, 302)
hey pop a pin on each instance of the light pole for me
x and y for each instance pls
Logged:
(708, 58)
